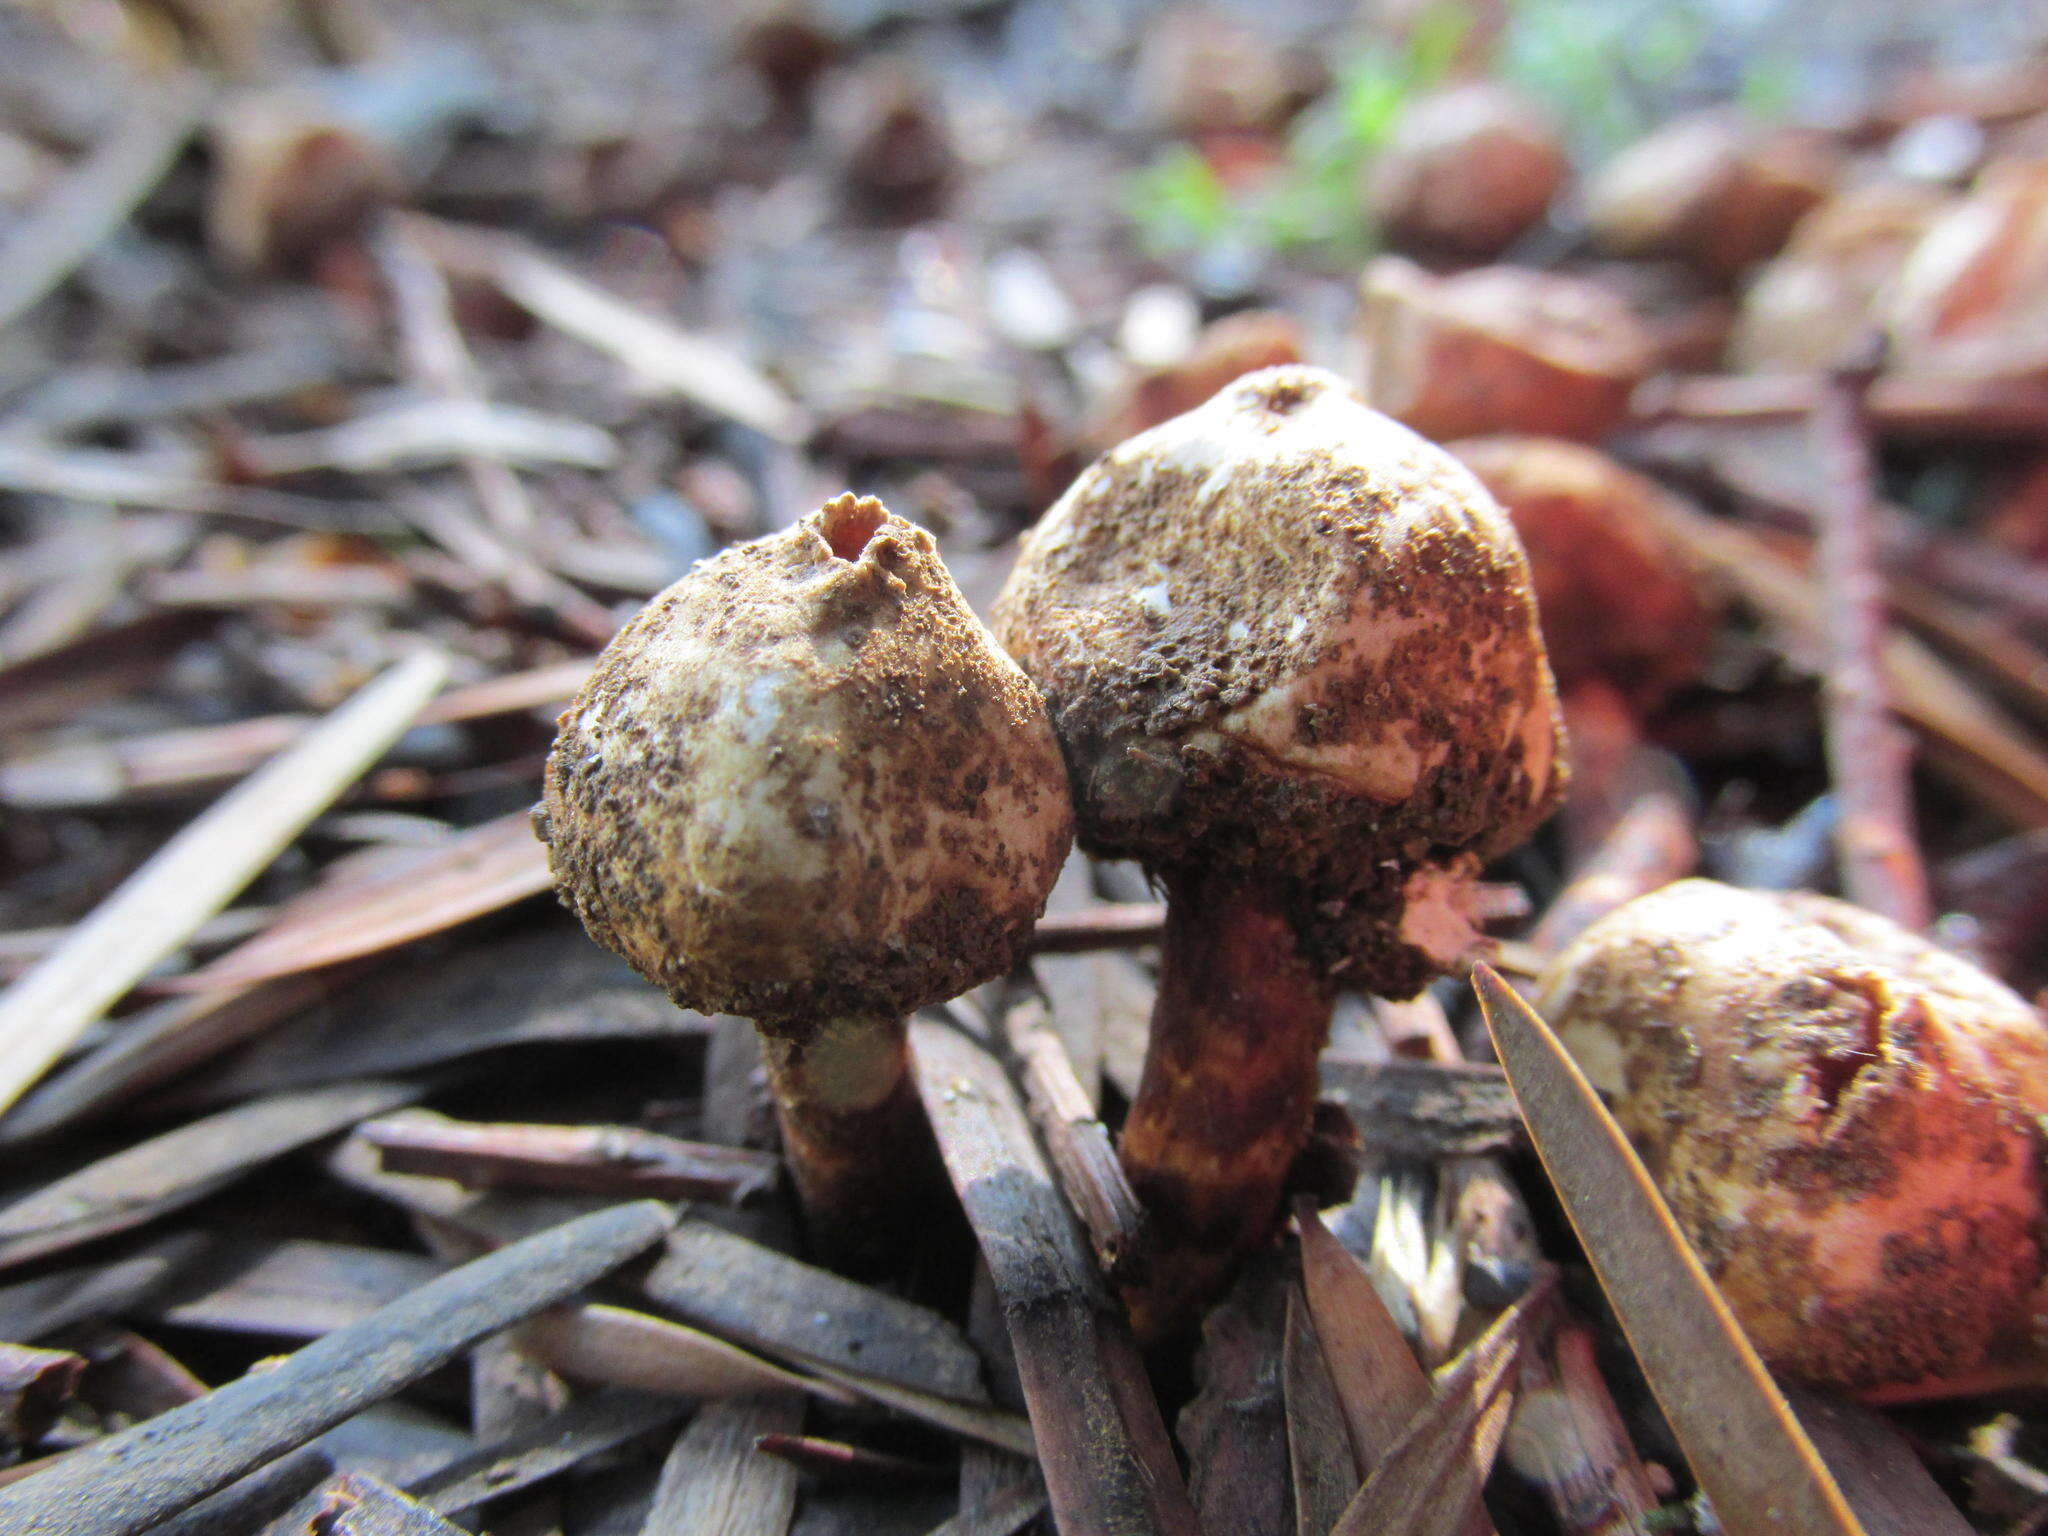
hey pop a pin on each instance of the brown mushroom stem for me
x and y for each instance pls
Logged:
(853, 1132)
(1224, 1105)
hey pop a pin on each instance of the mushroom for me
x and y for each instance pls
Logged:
(804, 786)
(1840, 1114)
(1972, 298)
(1709, 191)
(1291, 652)
(1226, 349)
(1466, 171)
(1499, 349)
(1816, 302)
(1621, 604)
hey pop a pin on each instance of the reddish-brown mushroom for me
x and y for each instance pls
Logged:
(1841, 1115)
(1291, 652)
(1709, 191)
(1499, 349)
(1466, 171)
(805, 786)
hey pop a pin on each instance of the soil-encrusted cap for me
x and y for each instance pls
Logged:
(804, 782)
(1285, 639)
(1840, 1114)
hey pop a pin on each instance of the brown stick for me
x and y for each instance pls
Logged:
(1102, 1445)
(1224, 1105)
(619, 1160)
(1901, 405)
(1867, 752)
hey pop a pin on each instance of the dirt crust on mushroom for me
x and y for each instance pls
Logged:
(1840, 1115)
(1283, 634)
(804, 782)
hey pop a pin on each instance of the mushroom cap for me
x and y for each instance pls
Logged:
(1467, 170)
(1286, 640)
(1840, 1116)
(1619, 600)
(803, 782)
(1499, 349)
(1710, 190)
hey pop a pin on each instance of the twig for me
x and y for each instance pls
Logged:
(1867, 752)
(127, 1482)
(69, 225)
(616, 1160)
(1651, 845)
(199, 872)
(659, 353)
(1901, 405)
(1103, 1448)
(836, 1461)
(435, 355)
(1112, 925)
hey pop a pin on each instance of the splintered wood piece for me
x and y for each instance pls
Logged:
(356, 1504)
(616, 1160)
(199, 872)
(50, 1303)
(1429, 1481)
(1882, 1477)
(1004, 1515)
(1102, 1445)
(1111, 925)
(716, 1483)
(252, 1502)
(837, 1461)
(1745, 1447)
(1327, 1476)
(724, 1284)
(297, 1289)
(544, 985)
(129, 1375)
(588, 1427)
(75, 775)
(424, 891)
(1078, 1143)
(1425, 1111)
(617, 1347)
(91, 202)
(661, 355)
(1869, 757)
(1234, 1430)
(1965, 738)
(154, 1046)
(123, 1484)
(1380, 1384)
(142, 1182)
(34, 1385)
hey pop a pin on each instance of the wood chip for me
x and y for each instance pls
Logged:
(720, 1282)
(143, 1182)
(715, 1483)
(123, 1484)
(199, 872)
(426, 891)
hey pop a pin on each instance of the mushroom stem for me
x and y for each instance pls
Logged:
(853, 1132)
(1225, 1102)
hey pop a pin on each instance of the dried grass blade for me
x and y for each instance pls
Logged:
(456, 881)
(199, 872)
(616, 1347)
(1747, 1450)
(663, 355)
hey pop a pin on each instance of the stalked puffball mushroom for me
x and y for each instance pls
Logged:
(1621, 602)
(1499, 349)
(1710, 191)
(1291, 652)
(803, 785)
(1840, 1115)
(1467, 171)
